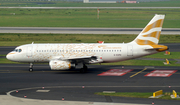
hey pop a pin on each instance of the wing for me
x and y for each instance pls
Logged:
(83, 59)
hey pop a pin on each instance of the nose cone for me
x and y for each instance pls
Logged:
(9, 56)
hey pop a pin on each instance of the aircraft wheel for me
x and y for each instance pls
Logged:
(30, 69)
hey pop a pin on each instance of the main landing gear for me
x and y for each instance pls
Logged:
(84, 69)
(31, 67)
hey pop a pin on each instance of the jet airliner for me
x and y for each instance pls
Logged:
(65, 56)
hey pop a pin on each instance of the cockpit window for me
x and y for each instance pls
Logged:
(20, 50)
(17, 50)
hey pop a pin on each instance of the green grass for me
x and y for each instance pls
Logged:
(5, 61)
(143, 63)
(173, 55)
(137, 95)
(8, 39)
(172, 3)
(120, 18)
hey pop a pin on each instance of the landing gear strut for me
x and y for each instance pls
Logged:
(31, 67)
(84, 69)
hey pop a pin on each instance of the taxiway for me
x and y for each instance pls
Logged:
(75, 86)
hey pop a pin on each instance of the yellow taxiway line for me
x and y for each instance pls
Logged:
(137, 73)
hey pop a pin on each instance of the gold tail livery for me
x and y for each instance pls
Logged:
(65, 56)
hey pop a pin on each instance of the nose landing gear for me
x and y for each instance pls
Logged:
(31, 67)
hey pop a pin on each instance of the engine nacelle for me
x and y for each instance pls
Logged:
(59, 65)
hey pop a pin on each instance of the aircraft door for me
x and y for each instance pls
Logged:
(129, 50)
(29, 51)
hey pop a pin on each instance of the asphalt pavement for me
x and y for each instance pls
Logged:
(80, 87)
(80, 30)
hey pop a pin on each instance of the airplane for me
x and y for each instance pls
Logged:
(64, 56)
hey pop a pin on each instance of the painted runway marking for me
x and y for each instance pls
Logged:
(161, 73)
(115, 72)
(137, 73)
(42, 91)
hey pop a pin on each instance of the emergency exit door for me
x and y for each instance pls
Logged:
(129, 50)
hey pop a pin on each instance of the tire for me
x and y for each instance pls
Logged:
(30, 69)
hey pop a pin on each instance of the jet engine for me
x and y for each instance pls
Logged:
(60, 65)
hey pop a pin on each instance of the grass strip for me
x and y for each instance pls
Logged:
(119, 18)
(137, 95)
(173, 55)
(170, 3)
(8, 39)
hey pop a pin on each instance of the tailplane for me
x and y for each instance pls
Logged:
(151, 33)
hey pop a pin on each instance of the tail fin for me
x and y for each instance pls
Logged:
(151, 33)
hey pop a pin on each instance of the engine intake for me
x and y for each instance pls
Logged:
(59, 65)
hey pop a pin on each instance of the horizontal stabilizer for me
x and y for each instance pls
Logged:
(157, 48)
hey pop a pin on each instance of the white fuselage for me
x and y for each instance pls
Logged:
(106, 52)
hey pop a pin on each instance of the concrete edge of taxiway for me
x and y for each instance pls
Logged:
(11, 100)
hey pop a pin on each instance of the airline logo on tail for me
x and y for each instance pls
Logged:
(151, 33)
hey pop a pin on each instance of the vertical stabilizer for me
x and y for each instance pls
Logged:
(151, 33)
